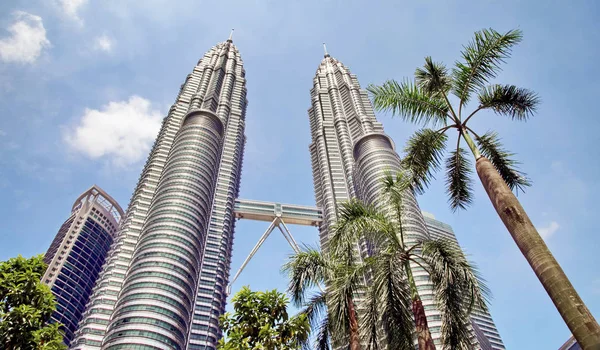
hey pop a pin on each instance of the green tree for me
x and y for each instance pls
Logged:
(426, 102)
(393, 303)
(332, 313)
(261, 322)
(26, 305)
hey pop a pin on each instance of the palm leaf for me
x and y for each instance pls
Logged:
(482, 59)
(370, 324)
(315, 308)
(518, 103)
(356, 218)
(433, 78)
(306, 269)
(490, 146)
(322, 341)
(424, 151)
(458, 288)
(458, 179)
(409, 102)
(393, 294)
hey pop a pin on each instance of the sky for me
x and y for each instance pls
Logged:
(84, 85)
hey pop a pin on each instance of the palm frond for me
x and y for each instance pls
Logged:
(395, 186)
(315, 308)
(424, 151)
(408, 102)
(306, 269)
(355, 219)
(458, 179)
(482, 58)
(394, 302)
(433, 78)
(490, 146)
(322, 341)
(518, 103)
(458, 288)
(339, 325)
(370, 320)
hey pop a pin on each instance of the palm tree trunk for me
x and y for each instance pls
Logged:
(574, 312)
(424, 338)
(423, 334)
(353, 320)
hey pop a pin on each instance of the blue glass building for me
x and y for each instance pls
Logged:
(77, 253)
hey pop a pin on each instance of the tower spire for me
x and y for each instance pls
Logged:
(325, 49)
(230, 40)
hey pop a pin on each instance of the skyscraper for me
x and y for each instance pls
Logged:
(350, 155)
(570, 344)
(77, 253)
(484, 324)
(163, 286)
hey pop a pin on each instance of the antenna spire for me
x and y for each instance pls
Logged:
(325, 49)
(231, 36)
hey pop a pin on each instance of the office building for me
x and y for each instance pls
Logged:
(163, 286)
(77, 253)
(350, 155)
(570, 344)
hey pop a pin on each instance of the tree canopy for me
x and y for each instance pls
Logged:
(261, 321)
(26, 305)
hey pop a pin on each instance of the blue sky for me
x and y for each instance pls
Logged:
(71, 66)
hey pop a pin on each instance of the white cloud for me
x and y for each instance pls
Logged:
(103, 43)
(71, 9)
(121, 131)
(2, 133)
(547, 231)
(26, 41)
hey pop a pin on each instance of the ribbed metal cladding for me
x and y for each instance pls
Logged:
(170, 249)
(216, 88)
(351, 154)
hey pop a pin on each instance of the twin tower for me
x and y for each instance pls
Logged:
(163, 285)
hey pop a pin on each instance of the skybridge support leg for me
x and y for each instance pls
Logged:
(254, 250)
(294, 245)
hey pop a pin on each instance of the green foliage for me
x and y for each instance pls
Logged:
(509, 100)
(426, 102)
(458, 179)
(407, 100)
(502, 160)
(26, 305)
(392, 289)
(327, 311)
(433, 78)
(455, 280)
(482, 58)
(261, 321)
(424, 151)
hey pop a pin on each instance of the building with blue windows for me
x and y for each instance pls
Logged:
(77, 253)
(570, 344)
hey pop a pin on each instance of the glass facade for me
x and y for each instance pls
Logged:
(163, 283)
(76, 256)
(570, 344)
(350, 155)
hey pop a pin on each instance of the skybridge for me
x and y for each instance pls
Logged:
(278, 215)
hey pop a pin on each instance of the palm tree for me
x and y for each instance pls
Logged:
(331, 313)
(393, 292)
(426, 101)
